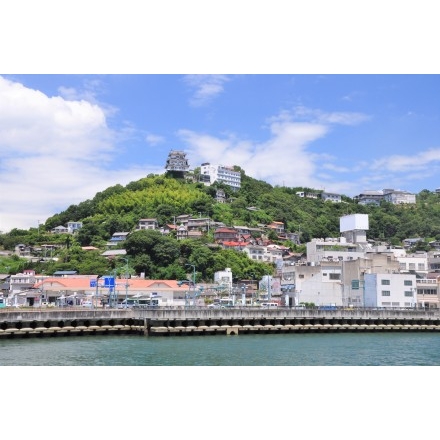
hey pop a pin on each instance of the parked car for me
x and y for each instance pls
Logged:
(87, 304)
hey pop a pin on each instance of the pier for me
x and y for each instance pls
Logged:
(205, 321)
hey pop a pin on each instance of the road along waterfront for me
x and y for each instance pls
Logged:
(203, 321)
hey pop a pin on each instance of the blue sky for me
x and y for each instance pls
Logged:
(63, 138)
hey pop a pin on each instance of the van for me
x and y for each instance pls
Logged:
(127, 304)
(269, 305)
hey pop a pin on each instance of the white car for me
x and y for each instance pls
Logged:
(87, 304)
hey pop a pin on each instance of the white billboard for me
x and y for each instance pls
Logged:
(353, 222)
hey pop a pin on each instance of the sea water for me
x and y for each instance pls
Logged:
(324, 349)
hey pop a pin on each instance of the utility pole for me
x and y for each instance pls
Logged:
(194, 282)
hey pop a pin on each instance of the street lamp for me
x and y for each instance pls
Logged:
(194, 281)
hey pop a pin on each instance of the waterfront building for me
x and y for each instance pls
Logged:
(415, 263)
(428, 291)
(73, 290)
(390, 290)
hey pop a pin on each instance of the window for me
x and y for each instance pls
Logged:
(402, 266)
(412, 266)
(421, 266)
(385, 282)
(386, 293)
(335, 276)
(409, 293)
(407, 283)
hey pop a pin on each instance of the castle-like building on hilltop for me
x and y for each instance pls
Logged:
(177, 162)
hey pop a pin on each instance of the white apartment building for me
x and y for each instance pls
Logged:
(417, 263)
(397, 197)
(320, 284)
(390, 290)
(220, 173)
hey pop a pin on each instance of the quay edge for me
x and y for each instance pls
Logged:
(204, 321)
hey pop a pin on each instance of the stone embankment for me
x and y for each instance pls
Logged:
(204, 321)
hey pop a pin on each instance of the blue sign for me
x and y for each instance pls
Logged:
(109, 282)
(93, 283)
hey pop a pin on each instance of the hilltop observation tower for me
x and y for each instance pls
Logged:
(177, 163)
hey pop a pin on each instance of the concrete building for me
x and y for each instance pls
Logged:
(415, 263)
(332, 249)
(396, 197)
(390, 290)
(224, 279)
(220, 173)
(147, 223)
(331, 197)
(318, 284)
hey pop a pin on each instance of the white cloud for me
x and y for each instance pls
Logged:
(153, 139)
(286, 158)
(53, 153)
(399, 163)
(206, 87)
(283, 159)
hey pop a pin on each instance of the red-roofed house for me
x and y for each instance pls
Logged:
(78, 288)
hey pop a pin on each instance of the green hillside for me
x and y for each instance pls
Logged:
(163, 197)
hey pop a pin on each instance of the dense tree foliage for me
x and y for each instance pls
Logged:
(119, 208)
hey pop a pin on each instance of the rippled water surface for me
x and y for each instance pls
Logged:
(393, 349)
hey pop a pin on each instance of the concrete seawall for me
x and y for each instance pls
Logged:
(204, 321)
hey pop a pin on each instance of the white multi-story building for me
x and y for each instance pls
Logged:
(396, 197)
(318, 284)
(390, 290)
(220, 173)
(417, 263)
